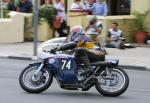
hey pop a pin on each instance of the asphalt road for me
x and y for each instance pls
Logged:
(10, 91)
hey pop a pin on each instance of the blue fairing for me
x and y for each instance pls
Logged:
(65, 68)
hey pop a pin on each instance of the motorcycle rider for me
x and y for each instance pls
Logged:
(85, 51)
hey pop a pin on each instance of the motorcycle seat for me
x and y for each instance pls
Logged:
(107, 62)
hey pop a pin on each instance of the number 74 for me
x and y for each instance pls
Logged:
(66, 64)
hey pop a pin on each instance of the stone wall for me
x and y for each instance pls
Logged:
(12, 29)
(147, 23)
(28, 28)
(44, 31)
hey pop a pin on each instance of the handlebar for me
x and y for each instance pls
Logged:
(52, 51)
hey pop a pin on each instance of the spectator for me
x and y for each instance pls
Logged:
(93, 30)
(50, 2)
(77, 5)
(90, 6)
(100, 8)
(24, 6)
(114, 38)
(10, 5)
(61, 13)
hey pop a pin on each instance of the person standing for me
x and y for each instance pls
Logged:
(24, 6)
(77, 5)
(60, 7)
(90, 6)
(48, 2)
(10, 5)
(100, 8)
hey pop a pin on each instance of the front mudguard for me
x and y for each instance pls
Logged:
(35, 64)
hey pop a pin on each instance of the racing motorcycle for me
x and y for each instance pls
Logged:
(108, 78)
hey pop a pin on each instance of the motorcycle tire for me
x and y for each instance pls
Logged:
(118, 92)
(35, 90)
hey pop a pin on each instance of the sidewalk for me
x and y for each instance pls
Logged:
(136, 57)
(17, 50)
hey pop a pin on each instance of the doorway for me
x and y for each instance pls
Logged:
(119, 7)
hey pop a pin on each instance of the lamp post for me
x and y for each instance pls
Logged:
(36, 17)
(1, 8)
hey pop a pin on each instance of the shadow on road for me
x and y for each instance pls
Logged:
(79, 95)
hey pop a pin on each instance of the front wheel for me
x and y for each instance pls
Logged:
(35, 83)
(112, 82)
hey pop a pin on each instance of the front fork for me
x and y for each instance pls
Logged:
(39, 69)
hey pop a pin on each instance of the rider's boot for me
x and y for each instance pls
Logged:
(88, 69)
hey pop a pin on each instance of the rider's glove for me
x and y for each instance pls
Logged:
(53, 51)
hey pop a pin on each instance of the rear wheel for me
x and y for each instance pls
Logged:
(112, 82)
(35, 84)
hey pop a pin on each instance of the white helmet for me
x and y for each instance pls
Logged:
(76, 31)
